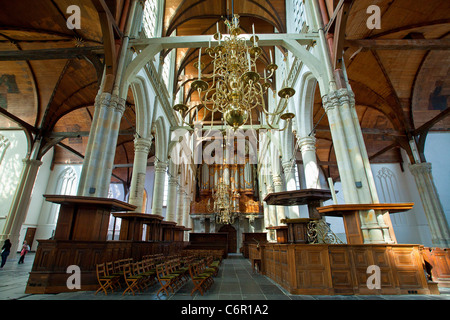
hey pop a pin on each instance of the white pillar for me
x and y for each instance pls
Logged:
(171, 210)
(180, 205)
(434, 212)
(272, 209)
(187, 210)
(158, 188)
(311, 169)
(101, 148)
(19, 207)
(278, 187)
(293, 212)
(354, 168)
(141, 150)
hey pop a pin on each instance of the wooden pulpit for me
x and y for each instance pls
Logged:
(352, 222)
(85, 218)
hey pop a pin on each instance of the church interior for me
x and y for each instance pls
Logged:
(148, 138)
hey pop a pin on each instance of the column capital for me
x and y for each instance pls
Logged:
(142, 144)
(337, 98)
(160, 166)
(106, 99)
(277, 181)
(288, 165)
(420, 168)
(118, 104)
(307, 143)
(173, 180)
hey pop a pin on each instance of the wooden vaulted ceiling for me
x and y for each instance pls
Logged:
(395, 72)
(398, 90)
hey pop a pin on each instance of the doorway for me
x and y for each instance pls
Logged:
(232, 237)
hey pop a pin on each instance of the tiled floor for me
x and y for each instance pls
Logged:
(235, 281)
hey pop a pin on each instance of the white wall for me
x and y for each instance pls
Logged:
(437, 151)
(37, 200)
(11, 170)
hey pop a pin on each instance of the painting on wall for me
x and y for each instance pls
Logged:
(8, 85)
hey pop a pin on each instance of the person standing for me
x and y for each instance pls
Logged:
(5, 253)
(25, 249)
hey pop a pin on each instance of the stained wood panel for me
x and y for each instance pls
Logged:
(342, 269)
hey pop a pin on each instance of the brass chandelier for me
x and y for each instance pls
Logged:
(226, 203)
(236, 87)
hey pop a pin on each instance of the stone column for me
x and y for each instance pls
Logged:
(180, 205)
(100, 151)
(331, 106)
(311, 169)
(158, 188)
(141, 150)
(187, 210)
(19, 207)
(278, 187)
(272, 209)
(354, 167)
(434, 212)
(171, 210)
(289, 175)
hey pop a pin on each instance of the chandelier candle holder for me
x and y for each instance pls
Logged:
(235, 86)
(226, 203)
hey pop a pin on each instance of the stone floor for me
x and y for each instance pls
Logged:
(235, 281)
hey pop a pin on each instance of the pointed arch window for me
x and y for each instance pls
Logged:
(150, 18)
(4, 144)
(66, 185)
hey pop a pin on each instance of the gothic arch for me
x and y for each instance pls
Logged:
(161, 139)
(306, 104)
(139, 87)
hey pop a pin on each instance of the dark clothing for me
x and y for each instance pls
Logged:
(6, 249)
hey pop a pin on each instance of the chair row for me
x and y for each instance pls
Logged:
(172, 275)
(202, 276)
(217, 254)
(172, 272)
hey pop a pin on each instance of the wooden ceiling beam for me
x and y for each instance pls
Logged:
(102, 7)
(50, 54)
(368, 131)
(28, 127)
(399, 44)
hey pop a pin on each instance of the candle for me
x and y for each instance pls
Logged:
(217, 27)
(254, 37)
(199, 66)
(286, 69)
(248, 58)
(271, 60)
(209, 42)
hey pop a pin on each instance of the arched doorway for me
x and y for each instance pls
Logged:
(232, 240)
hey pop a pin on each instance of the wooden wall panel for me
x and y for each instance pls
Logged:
(342, 269)
(49, 271)
(439, 261)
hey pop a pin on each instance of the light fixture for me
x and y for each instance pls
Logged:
(226, 203)
(236, 87)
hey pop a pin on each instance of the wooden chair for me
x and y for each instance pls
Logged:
(201, 281)
(132, 280)
(167, 281)
(111, 271)
(105, 281)
(147, 270)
